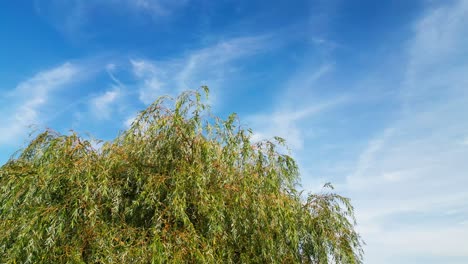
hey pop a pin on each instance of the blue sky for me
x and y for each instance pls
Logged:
(371, 95)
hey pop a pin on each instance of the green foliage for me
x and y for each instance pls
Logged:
(178, 186)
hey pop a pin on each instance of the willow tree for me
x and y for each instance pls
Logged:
(180, 185)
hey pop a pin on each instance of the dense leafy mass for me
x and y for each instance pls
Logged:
(178, 186)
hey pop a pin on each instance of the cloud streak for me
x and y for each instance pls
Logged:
(26, 101)
(417, 165)
(286, 122)
(72, 17)
(102, 105)
(213, 65)
(156, 7)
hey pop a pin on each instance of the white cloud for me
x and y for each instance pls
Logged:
(102, 105)
(302, 85)
(367, 160)
(128, 122)
(439, 243)
(208, 66)
(150, 77)
(286, 121)
(26, 101)
(46, 81)
(72, 17)
(156, 7)
(465, 141)
(418, 164)
(216, 61)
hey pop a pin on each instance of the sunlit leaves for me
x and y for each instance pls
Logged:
(178, 186)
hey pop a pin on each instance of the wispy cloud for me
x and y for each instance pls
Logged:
(216, 61)
(67, 17)
(156, 7)
(152, 80)
(417, 165)
(212, 65)
(23, 105)
(286, 122)
(418, 245)
(72, 17)
(101, 105)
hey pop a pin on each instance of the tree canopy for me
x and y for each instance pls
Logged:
(180, 185)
